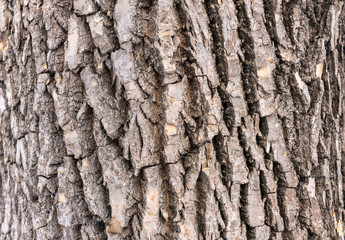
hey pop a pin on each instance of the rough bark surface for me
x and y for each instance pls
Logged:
(162, 119)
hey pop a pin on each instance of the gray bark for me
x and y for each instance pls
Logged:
(185, 119)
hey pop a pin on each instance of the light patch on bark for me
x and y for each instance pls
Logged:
(304, 88)
(170, 129)
(264, 72)
(319, 69)
(62, 197)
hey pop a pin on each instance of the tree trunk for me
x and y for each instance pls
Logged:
(185, 119)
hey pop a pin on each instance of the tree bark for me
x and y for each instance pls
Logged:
(185, 119)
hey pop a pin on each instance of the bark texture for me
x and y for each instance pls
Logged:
(162, 119)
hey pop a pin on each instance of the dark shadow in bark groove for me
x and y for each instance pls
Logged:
(202, 190)
(223, 160)
(221, 61)
(249, 69)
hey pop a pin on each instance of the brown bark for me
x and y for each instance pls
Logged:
(185, 119)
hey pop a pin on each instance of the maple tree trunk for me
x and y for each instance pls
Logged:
(185, 119)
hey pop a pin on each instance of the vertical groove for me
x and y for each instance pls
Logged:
(248, 63)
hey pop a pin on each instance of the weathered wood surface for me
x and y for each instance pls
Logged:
(160, 119)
